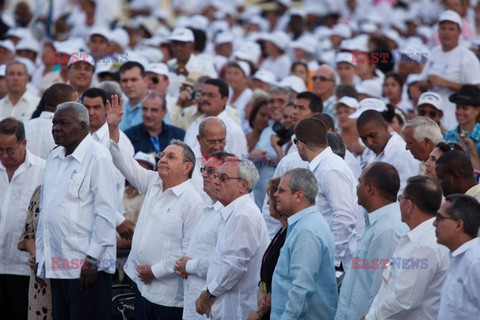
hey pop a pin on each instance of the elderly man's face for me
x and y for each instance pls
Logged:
(323, 82)
(12, 152)
(449, 33)
(153, 113)
(16, 78)
(214, 139)
(276, 103)
(285, 197)
(172, 163)
(226, 184)
(420, 150)
(66, 130)
(80, 74)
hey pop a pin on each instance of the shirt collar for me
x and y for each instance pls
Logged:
(379, 213)
(466, 246)
(417, 232)
(301, 214)
(232, 206)
(319, 158)
(79, 153)
(180, 188)
(391, 144)
(46, 115)
(101, 132)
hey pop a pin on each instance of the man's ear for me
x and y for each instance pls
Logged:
(460, 227)
(188, 166)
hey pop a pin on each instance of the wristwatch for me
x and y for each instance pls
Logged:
(210, 295)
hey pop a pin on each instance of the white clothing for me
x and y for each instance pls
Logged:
(240, 105)
(460, 296)
(234, 270)
(22, 110)
(202, 243)
(77, 211)
(411, 290)
(280, 66)
(163, 229)
(14, 201)
(38, 133)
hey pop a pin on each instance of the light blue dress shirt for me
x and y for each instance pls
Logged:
(265, 169)
(304, 284)
(131, 117)
(361, 283)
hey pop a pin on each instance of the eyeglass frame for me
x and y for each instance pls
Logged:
(225, 177)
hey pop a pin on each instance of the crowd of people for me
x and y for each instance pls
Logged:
(254, 159)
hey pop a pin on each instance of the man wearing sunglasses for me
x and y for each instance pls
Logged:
(430, 106)
(324, 84)
(457, 224)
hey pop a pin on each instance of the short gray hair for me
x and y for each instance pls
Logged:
(156, 95)
(11, 63)
(425, 128)
(80, 113)
(336, 143)
(187, 154)
(281, 90)
(304, 180)
(111, 88)
(248, 172)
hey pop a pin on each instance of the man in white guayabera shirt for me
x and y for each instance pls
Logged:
(169, 212)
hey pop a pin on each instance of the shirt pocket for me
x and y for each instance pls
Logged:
(75, 185)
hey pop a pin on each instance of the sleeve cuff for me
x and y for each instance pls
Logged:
(158, 270)
(191, 266)
(119, 219)
(214, 289)
(95, 251)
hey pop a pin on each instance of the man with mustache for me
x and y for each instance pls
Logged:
(153, 134)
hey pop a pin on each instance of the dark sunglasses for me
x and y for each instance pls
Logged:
(424, 113)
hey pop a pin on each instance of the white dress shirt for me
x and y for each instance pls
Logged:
(77, 211)
(14, 201)
(460, 296)
(240, 104)
(163, 228)
(22, 110)
(336, 201)
(412, 290)
(236, 141)
(234, 269)
(103, 137)
(38, 133)
(395, 154)
(288, 162)
(201, 245)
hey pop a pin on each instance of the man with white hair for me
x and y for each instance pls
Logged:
(234, 270)
(75, 244)
(450, 65)
(19, 101)
(421, 136)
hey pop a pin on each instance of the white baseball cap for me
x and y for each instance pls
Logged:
(369, 104)
(279, 39)
(7, 44)
(305, 43)
(431, 98)
(77, 57)
(120, 36)
(182, 35)
(371, 88)
(345, 57)
(158, 68)
(342, 30)
(452, 16)
(28, 44)
(265, 76)
(223, 37)
(100, 31)
(294, 83)
(145, 157)
(350, 102)
(243, 65)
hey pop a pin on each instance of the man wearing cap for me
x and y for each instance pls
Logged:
(28, 48)
(345, 67)
(263, 79)
(7, 51)
(430, 106)
(450, 65)
(304, 50)
(158, 79)
(98, 43)
(134, 86)
(223, 49)
(467, 133)
(324, 84)
(19, 102)
(81, 67)
(237, 77)
(277, 61)
(185, 61)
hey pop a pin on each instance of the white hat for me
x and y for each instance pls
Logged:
(342, 30)
(7, 44)
(294, 83)
(64, 47)
(371, 88)
(297, 12)
(198, 22)
(100, 31)
(265, 76)
(349, 102)
(104, 68)
(249, 51)
(431, 98)
(3, 69)
(322, 32)
(393, 35)
(452, 16)
(120, 36)
(415, 52)
(243, 65)
(158, 68)
(182, 35)
(414, 77)
(369, 104)
(279, 39)
(28, 63)
(368, 27)
(152, 55)
(77, 57)
(145, 157)
(306, 43)
(28, 44)
(345, 57)
(19, 33)
(224, 37)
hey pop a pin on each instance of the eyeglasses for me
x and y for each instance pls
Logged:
(208, 170)
(400, 197)
(321, 78)
(10, 151)
(223, 177)
(431, 114)
(169, 156)
(439, 217)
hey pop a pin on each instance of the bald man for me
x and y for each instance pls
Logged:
(324, 85)
(212, 137)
